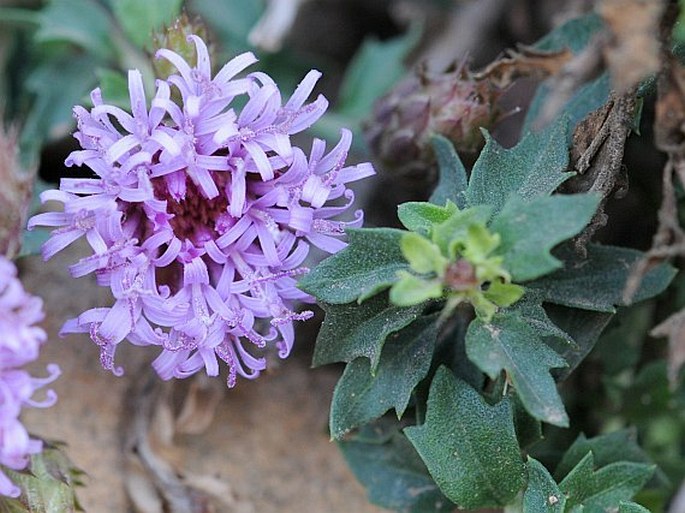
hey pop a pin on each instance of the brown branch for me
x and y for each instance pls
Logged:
(597, 156)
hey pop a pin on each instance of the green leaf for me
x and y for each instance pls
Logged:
(114, 87)
(366, 266)
(530, 308)
(141, 19)
(631, 507)
(360, 396)
(393, 474)
(231, 20)
(57, 84)
(423, 256)
(84, 23)
(534, 167)
(374, 69)
(582, 326)
(529, 230)
(509, 343)
(456, 227)
(606, 449)
(598, 491)
(542, 494)
(620, 347)
(528, 428)
(351, 331)
(597, 283)
(503, 294)
(453, 181)
(586, 99)
(575, 34)
(469, 447)
(420, 217)
(47, 485)
(411, 290)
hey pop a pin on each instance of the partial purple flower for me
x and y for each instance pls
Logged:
(20, 342)
(200, 216)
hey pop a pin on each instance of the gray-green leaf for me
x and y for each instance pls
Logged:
(366, 266)
(469, 447)
(352, 331)
(453, 181)
(597, 282)
(542, 494)
(529, 230)
(84, 23)
(394, 475)
(601, 490)
(509, 343)
(140, 19)
(534, 167)
(361, 396)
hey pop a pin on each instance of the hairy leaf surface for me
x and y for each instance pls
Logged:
(534, 167)
(453, 181)
(366, 266)
(351, 331)
(530, 229)
(393, 474)
(509, 343)
(469, 447)
(361, 396)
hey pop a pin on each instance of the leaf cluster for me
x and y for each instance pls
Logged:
(470, 384)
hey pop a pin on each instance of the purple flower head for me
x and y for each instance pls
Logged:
(200, 216)
(19, 344)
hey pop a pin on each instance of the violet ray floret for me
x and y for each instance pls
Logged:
(200, 216)
(20, 342)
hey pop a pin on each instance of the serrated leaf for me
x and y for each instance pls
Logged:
(366, 266)
(393, 474)
(529, 230)
(582, 326)
(534, 167)
(361, 396)
(542, 494)
(606, 449)
(601, 490)
(503, 294)
(352, 331)
(420, 217)
(530, 308)
(631, 507)
(47, 485)
(469, 446)
(597, 282)
(509, 343)
(452, 180)
(140, 19)
(84, 23)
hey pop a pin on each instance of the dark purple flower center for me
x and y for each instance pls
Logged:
(194, 216)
